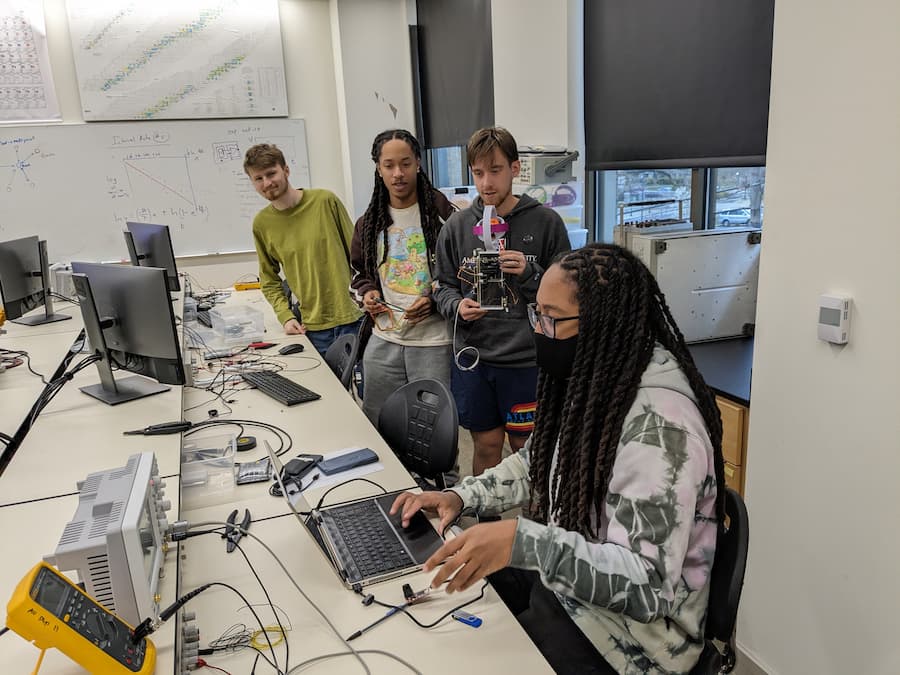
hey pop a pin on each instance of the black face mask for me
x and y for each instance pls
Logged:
(555, 357)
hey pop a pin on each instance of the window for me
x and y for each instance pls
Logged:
(738, 196)
(447, 166)
(734, 197)
(653, 194)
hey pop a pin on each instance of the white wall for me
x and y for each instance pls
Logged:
(822, 588)
(376, 74)
(312, 94)
(538, 71)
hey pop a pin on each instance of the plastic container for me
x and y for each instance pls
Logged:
(207, 470)
(237, 324)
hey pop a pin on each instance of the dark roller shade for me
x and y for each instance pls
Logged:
(456, 69)
(681, 83)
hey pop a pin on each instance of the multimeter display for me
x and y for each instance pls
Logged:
(50, 610)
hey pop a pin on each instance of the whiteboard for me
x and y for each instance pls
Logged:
(76, 185)
(177, 59)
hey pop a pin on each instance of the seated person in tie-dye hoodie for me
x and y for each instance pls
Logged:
(619, 480)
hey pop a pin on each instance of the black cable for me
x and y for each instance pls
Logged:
(334, 487)
(3, 630)
(404, 608)
(57, 380)
(287, 649)
(146, 628)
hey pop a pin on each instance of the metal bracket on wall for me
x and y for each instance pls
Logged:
(754, 237)
(659, 247)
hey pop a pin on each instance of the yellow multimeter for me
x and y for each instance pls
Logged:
(49, 610)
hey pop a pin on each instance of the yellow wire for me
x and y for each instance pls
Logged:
(263, 644)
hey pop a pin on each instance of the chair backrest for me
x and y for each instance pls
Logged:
(341, 357)
(728, 570)
(420, 423)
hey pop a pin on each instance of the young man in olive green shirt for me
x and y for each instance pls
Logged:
(305, 235)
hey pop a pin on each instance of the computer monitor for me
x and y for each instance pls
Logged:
(25, 281)
(129, 321)
(151, 246)
(115, 539)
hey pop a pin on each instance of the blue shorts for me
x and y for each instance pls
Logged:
(488, 397)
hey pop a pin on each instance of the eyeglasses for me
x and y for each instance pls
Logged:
(548, 323)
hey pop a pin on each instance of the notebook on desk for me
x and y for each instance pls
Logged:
(363, 543)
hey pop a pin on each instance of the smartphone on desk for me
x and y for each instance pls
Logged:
(347, 461)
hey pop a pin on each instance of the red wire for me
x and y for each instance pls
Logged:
(203, 664)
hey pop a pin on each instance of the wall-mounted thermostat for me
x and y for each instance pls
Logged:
(834, 318)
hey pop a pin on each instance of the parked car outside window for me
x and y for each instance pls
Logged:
(733, 217)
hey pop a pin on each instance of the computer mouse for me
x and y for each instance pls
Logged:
(293, 348)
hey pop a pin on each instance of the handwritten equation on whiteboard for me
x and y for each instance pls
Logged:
(77, 185)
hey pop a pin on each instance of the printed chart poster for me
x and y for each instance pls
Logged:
(26, 87)
(178, 59)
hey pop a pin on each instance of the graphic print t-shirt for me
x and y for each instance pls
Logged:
(404, 278)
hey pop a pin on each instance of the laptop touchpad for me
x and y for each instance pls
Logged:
(420, 537)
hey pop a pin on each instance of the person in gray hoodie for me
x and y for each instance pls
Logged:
(494, 378)
(623, 482)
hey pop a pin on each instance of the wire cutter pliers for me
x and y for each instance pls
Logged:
(233, 533)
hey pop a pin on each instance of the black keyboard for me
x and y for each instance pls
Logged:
(280, 388)
(203, 317)
(371, 542)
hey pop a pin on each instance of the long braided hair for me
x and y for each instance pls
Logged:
(377, 218)
(622, 314)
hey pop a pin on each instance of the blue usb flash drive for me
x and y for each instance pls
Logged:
(466, 618)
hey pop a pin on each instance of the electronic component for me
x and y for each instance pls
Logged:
(115, 540)
(490, 281)
(347, 461)
(299, 466)
(49, 610)
(279, 387)
(253, 472)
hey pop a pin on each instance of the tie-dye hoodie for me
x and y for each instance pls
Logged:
(638, 592)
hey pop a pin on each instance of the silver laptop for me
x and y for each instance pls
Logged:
(363, 543)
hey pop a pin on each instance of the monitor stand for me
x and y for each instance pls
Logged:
(39, 319)
(126, 389)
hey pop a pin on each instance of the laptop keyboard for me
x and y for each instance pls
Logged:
(369, 539)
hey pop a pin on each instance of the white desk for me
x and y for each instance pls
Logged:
(32, 531)
(80, 435)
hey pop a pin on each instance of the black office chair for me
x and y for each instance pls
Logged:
(725, 589)
(420, 424)
(341, 357)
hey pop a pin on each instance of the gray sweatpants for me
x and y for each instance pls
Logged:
(388, 366)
